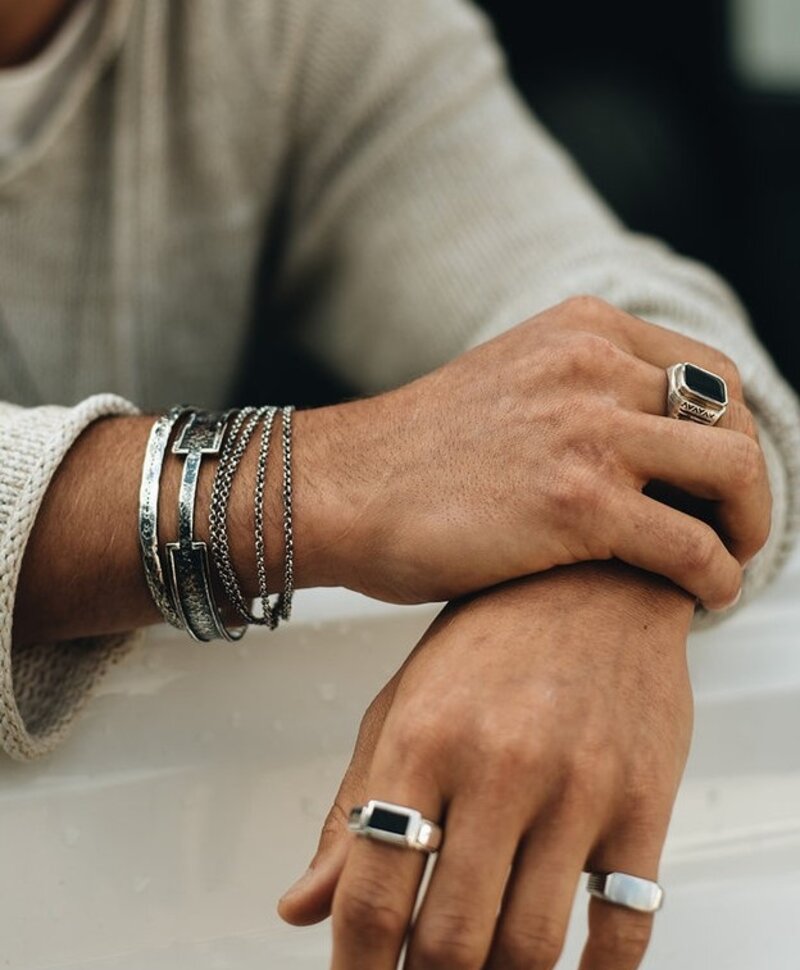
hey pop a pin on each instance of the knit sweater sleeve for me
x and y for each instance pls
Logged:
(43, 685)
(429, 211)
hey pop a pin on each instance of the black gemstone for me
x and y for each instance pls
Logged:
(386, 821)
(701, 382)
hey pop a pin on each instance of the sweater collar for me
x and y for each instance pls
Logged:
(103, 48)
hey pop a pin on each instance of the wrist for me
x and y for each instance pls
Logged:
(644, 593)
(612, 591)
(317, 502)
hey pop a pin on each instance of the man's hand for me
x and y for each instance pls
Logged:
(547, 722)
(531, 451)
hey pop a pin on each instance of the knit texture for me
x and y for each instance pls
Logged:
(42, 686)
(412, 207)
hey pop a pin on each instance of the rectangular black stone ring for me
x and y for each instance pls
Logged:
(705, 384)
(396, 824)
(695, 394)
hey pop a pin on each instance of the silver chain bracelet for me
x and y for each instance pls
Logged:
(269, 615)
(241, 432)
(285, 601)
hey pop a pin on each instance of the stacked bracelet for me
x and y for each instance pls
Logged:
(188, 564)
(288, 533)
(269, 616)
(242, 431)
(186, 598)
(148, 514)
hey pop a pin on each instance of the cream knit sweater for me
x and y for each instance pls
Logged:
(415, 207)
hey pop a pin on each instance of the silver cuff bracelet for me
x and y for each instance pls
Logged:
(148, 513)
(187, 559)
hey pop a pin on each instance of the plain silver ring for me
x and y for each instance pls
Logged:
(622, 889)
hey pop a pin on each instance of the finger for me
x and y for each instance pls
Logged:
(650, 342)
(374, 900)
(646, 390)
(710, 463)
(538, 899)
(309, 899)
(662, 540)
(618, 937)
(663, 347)
(455, 925)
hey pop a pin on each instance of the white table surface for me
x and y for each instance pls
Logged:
(161, 834)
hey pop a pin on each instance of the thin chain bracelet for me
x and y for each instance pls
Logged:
(285, 600)
(268, 612)
(241, 432)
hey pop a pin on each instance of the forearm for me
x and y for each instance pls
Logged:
(82, 572)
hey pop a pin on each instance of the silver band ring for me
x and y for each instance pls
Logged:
(695, 394)
(622, 889)
(396, 824)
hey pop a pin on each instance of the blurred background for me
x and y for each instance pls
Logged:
(686, 117)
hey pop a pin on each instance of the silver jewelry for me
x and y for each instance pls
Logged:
(622, 889)
(188, 561)
(396, 824)
(269, 615)
(695, 394)
(148, 513)
(285, 600)
(241, 431)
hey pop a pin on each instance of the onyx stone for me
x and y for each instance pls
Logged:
(386, 821)
(701, 382)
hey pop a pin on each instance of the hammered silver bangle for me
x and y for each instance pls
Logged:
(188, 560)
(148, 513)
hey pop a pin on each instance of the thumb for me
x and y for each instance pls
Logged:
(309, 899)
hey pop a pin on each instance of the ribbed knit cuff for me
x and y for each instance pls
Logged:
(42, 686)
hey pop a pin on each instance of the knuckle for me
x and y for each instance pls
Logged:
(505, 748)
(365, 911)
(533, 945)
(512, 754)
(592, 773)
(586, 306)
(749, 424)
(577, 493)
(741, 419)
(749, 463)
(722, 364)
(624, 942)
(700, 550)
(588, 354)
(418, 739)
(762, 531)
(450, 941)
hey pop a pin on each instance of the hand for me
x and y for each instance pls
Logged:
(532, 451)
(548, 723)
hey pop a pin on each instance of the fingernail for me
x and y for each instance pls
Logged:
(730, 606)
(301, 883)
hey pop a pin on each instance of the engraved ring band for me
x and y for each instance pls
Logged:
(695, 394)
